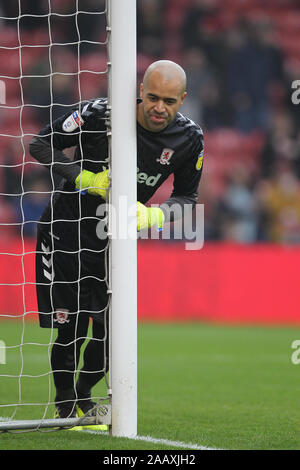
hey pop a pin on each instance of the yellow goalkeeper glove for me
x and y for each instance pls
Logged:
(94, 183)
(149, 216)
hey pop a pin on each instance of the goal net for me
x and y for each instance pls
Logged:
(57, 56)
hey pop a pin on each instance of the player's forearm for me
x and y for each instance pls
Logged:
(175, 207)
(54, 159)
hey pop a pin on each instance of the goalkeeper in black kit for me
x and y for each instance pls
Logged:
(71, 275)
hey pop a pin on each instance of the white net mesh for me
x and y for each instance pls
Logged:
(53, 56)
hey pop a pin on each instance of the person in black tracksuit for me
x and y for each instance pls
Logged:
(71, 268)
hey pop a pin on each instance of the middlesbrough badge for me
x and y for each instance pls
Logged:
(62, 316)
(165, 156)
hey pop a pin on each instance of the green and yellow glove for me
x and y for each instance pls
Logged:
(94, 183)
(149, 216)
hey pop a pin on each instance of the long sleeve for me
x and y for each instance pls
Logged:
(67, 131)
(53, 158)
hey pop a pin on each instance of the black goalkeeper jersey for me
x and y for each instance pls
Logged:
(177, 150)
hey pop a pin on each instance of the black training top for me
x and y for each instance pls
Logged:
(177, 150)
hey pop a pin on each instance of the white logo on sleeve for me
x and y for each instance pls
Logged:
(72, 122)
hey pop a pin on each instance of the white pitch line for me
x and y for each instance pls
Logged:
(154, 440)
(167, 442)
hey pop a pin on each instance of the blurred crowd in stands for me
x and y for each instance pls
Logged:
(241, 58)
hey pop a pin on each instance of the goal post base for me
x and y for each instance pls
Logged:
(103, 417)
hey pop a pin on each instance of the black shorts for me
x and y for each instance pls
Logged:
(70, 281)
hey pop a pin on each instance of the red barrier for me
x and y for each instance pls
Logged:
(224, 283)
(17, 277)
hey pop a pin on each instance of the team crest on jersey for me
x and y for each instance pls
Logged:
(62, 316)
(165, 157)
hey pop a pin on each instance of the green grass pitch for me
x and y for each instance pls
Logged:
(227, 387)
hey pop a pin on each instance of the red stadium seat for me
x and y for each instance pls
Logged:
(225, 148)
(9, 37)
(290, 44)
(9, 62)
(93, 75)
(287, 21)
(38, 37)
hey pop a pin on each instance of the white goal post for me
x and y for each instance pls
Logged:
(121, 413)
(122, 80)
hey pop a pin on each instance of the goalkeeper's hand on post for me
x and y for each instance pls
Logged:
(149, 216)
(94, 183)
(94, 110)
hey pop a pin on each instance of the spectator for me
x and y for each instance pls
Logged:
(32, 204)
(72, 29)
(237, 210)
(201, 30)
(29, 13)
(292, 75)
(150, 27)
(280, 204)
(51, 95)
(199, 76)
(205, 102)
(253, 65)
(281, 145)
